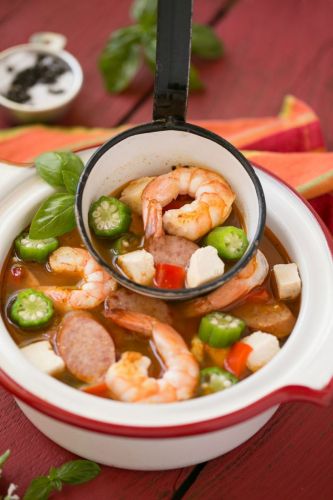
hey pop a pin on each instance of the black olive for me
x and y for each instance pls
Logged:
(47, 69)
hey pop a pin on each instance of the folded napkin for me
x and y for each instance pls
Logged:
(290, 145)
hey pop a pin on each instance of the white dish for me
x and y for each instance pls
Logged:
(174, 435)
(51, 107)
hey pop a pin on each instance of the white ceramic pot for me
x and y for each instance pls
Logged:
(162, 436)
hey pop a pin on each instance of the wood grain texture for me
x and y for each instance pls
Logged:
(290, 458)
(33, 454)
(87, 25)
(272, 48)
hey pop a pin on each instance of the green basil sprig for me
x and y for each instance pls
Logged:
(56, 214)
(71, 169)
(54, 217)
(127, 47)
(73, 472)
(3, 458)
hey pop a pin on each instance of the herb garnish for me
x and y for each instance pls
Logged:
(56, 214)
(73, 472)
(127, 47)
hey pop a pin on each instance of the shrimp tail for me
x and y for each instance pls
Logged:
(138, 322)
(154, 221)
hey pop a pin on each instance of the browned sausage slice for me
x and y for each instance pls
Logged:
(85, 346)
(275, 318)
(170, 249)
(131, 301)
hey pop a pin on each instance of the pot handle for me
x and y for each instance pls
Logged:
(312, 378)
(173, 51)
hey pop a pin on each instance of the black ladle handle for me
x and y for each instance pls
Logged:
(173, 53)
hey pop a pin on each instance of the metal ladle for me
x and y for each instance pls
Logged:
(152, 148)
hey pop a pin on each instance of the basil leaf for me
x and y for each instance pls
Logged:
(3, 458)
(144, 12)
(56, 484)
(149, 47)
(78, 471)
(120, 59)
(39, 489)
(195, 81)
(54, 217)
(72, 167)
(53, 474)
(49, 166)
(205, 43)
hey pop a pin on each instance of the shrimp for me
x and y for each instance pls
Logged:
(91, 291)
(212, 204)
(128, 379)
(253, 274)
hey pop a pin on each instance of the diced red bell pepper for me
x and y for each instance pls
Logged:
(255, 296)
(98, 389)
(179, 202)
(17, 272)
(235, 361)
(169, 276)
(258, 295)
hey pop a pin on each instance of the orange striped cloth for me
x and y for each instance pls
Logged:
(290, 145)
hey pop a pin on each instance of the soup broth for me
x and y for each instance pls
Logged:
(124, 340)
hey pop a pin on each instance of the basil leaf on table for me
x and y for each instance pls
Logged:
(56, 484)
(149, 47)
(72, 167)
(49, 167)
(144, 11)
(195, 81)
(54, 217)
(39, 489)
(205, 43)
(4, 457)
(78, 471)
(120, 59)
(149, 51)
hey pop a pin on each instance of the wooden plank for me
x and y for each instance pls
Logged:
(87, 26)
(272, 48)
(291, 457)
(8, 7)
(33, 454)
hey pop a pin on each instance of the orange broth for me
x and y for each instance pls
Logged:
(124, 340)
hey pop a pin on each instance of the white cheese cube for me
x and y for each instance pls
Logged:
(287, 280)
(205, 265)
(132, 193)
(264, 347)
(138, 265)
(43, 357)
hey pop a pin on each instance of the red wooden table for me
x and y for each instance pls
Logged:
(273, 47)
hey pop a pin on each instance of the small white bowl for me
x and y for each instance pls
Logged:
(164, 436)
(52, 44)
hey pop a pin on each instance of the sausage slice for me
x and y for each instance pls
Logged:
(275, 318)
(131, 301)
(85, 346)
(170, 249)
